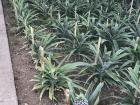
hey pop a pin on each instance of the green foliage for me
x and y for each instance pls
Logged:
(54, 77)
(114, 34)
(99, 38)
(75, 42)
(24, 16)
(92, 95)
(43, 8)
(130, 86)
(106, 65)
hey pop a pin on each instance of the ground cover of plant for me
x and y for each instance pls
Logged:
(83, 47)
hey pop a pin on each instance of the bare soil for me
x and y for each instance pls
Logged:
(22, 63)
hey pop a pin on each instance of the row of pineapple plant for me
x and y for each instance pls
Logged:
(82, 47)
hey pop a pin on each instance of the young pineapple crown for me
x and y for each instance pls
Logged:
(80, 102)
